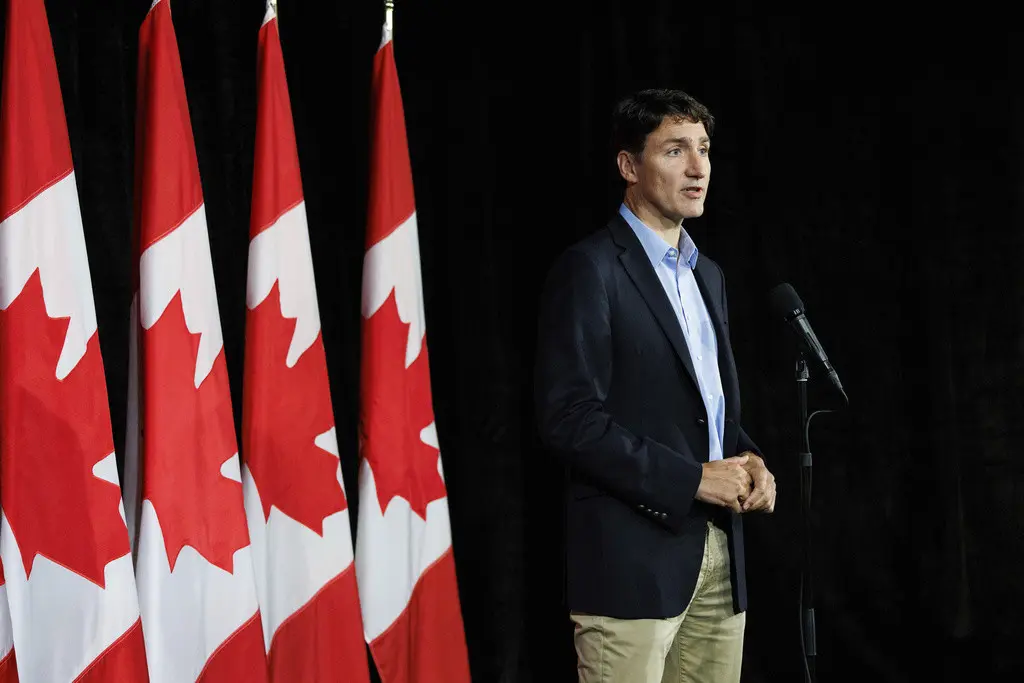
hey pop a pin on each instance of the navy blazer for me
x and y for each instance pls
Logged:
(617, 399)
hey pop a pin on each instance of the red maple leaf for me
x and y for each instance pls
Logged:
(188, 433)
(53, 433)
(284, 410)
(396, 406)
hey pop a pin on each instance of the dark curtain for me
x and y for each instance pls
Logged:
(874, 162)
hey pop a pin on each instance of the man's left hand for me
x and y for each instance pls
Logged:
(762, 497)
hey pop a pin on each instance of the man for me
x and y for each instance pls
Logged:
(637, 391)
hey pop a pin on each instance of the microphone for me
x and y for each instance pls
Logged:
(787, 304)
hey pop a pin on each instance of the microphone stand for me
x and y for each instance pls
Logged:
(807, 630)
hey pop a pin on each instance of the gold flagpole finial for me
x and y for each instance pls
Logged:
(389, 9)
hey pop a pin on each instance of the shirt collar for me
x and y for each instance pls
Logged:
(654, 246)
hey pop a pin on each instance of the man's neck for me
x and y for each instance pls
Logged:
(666, 228)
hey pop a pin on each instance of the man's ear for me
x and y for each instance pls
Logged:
(627, 164)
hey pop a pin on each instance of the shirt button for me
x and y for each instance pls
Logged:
(700, 357)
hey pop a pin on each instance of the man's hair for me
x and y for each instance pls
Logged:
(639, 114)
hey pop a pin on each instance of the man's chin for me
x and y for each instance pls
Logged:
(693, 211)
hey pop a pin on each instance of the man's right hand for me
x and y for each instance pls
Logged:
(725, 482)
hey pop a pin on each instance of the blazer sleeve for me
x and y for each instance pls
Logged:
(743, 441)
(572, 375)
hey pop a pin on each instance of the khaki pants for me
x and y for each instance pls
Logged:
(704, 644)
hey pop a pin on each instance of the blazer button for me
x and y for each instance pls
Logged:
(701, 421)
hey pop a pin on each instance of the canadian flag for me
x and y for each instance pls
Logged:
(183, 484)
(294, 494)
(404, 563)
(8, 662)
(66, 572)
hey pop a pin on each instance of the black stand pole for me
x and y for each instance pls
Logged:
(807, 632)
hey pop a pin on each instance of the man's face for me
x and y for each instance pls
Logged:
(675, 169)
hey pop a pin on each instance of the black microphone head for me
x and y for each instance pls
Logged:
(785, 302)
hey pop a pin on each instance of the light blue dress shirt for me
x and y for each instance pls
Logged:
(674, 268)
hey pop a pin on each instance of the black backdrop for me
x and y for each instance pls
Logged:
(873, 162)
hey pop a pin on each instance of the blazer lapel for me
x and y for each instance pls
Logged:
(638, 267)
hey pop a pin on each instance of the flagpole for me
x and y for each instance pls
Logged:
(389, 9)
